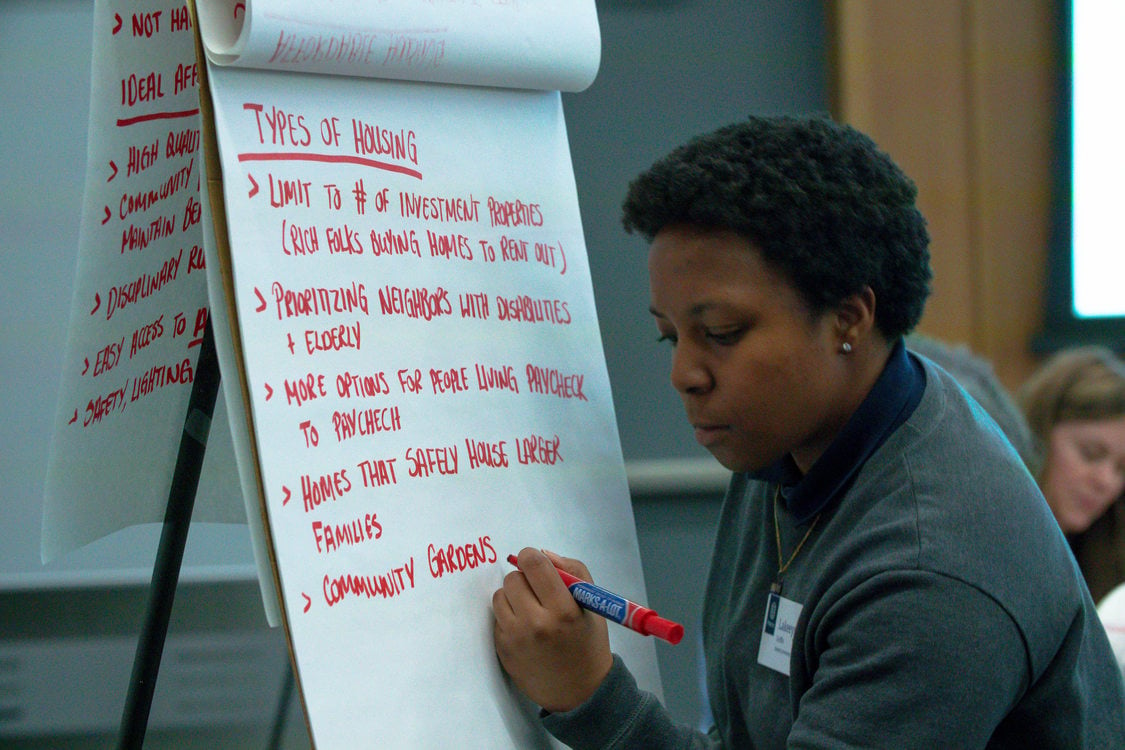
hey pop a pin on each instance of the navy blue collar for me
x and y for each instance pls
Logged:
(889, 403)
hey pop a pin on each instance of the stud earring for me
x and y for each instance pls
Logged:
(846, 347)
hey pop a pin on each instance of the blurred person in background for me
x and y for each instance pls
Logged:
(976, 375)
(1075, 406)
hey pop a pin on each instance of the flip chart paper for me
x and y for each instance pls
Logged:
(140, 297)
(426, 387)
(427, 382)
(545, 45)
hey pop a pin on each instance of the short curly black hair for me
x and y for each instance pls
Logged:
(821, 202)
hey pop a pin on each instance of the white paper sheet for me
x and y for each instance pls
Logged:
(365, 448)
(549, 45)
(140, 298)
(427, 387)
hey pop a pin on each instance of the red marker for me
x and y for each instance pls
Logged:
(616, 608)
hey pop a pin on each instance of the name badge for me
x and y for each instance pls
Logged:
(776, 645)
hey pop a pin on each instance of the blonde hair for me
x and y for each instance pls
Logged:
(1078, 384)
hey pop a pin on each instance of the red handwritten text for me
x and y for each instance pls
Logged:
(363, 422)
(434, 208)
(389, 242)
(145, 285)
(305, 388)
(486, 453)
(538, 449)
(551, 382)
(160, 376)
(331, 536)
(514, 213)
(145, 335)
(380, 585)
(415, 303)
(316, 490)
(293, 303)
(377, 472)
(454, 558)
(334, 339)
(137, 89)
(497, 378)
(528, 310)
(283, 128)
(101, 406)
(427, 462)
(354, 385)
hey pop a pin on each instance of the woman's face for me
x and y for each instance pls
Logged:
(1085, 470)
(759, 375)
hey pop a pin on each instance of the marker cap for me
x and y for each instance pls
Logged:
(670, 631)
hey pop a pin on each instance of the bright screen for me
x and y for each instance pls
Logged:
(1098, 158)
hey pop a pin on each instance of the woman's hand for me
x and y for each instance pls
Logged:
(556, 652)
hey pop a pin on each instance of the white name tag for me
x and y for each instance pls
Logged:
(776, 645)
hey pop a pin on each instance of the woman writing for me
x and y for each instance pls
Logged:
(885, 573)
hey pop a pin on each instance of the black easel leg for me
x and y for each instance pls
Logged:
(173, 537)
(282, 710)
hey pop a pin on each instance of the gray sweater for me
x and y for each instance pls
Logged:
(941, 607)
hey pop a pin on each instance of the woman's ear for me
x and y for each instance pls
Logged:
(855, 319)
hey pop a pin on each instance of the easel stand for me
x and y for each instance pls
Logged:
(170, 553)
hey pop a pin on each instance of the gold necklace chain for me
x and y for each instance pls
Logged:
(784, 566)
